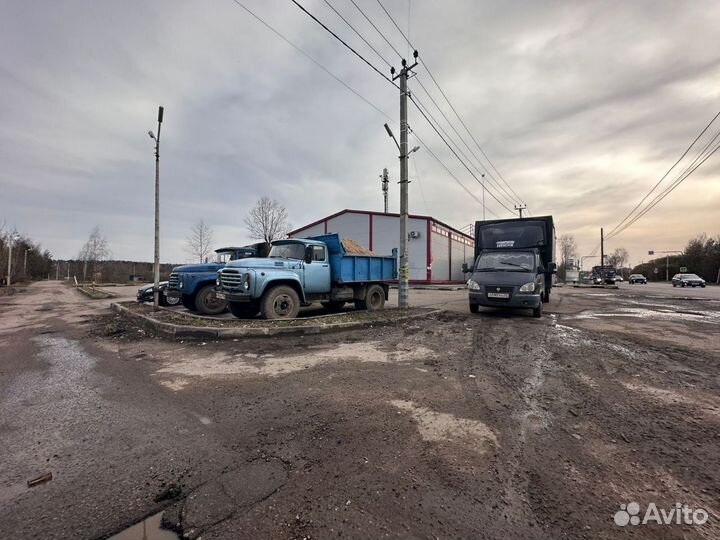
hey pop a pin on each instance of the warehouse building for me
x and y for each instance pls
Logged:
(436, 251)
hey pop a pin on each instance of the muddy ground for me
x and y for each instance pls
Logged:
(495, 425)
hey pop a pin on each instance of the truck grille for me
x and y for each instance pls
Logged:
(230, 279)
(173, 281)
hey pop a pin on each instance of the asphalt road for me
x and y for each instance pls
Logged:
(494, 425)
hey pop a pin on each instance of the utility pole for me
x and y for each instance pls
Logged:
(404, 269)
(602, 255)
(25, 266)
(156, 269)
(518, 207)
(9, 260)
(385, 183)
(483, 186)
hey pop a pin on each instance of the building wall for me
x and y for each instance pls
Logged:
(381, 234)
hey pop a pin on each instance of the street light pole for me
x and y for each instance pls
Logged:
(156, 262)
(25, 267)
(11, 238)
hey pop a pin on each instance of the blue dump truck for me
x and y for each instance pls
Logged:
(514, 263)
(298, 272)
(194, 284)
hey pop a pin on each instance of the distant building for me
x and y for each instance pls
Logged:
(436, 251)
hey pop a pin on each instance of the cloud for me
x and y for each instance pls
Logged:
(582, 106)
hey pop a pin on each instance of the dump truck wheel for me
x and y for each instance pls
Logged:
(207, 303)
(537, 312)
(474, 308)
(374, 298)
(281, 302)
(188, 302)
(244, 310)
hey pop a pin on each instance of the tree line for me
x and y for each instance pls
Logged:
(29, 260)
(701, 256)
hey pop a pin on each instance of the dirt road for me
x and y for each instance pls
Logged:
(485, 426)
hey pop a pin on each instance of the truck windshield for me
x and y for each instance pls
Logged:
(510, 261)
(287, 251)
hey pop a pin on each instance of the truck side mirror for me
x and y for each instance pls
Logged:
(465, 268)
(552, 267)
(308, 254)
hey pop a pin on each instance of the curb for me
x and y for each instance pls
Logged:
(178, 331)
(107, 294)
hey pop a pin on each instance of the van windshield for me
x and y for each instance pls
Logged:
(295, 250)
(510, 261)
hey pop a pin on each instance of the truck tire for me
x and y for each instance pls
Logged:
(537, 312)
(280, 302)
(333, 305)
(374, 299)
(474, 308)
(207, 303)
(244, 310)
(188, 302)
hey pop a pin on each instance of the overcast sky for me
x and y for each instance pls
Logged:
(582, 106)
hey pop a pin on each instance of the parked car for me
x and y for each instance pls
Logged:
(619, 278)
(687, 280)
(637, 278)
(145, 294)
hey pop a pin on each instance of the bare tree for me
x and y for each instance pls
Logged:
(618, 258)
(94, 252)
(268, 220)
(199, 243)
(568, 250)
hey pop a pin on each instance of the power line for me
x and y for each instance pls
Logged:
(492, 165)
(683, 176)
(376, 28)
(434, 156)
(497, 184)
(309, 57)
(664, 176)
(358, 33)
(333, 34)
(422, 112)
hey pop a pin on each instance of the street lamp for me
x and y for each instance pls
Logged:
(667, 260)
(156, 266)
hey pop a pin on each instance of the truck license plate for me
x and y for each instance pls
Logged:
(498, 295)
(220, 295)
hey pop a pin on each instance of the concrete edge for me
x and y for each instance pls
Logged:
(177, 331)
(107, 294)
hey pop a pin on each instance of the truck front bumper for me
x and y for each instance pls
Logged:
(233, 296)
(515, 300)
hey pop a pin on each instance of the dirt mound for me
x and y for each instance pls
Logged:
(353, 248)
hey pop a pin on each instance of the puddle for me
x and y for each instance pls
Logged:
(668, 314)
(147, 529)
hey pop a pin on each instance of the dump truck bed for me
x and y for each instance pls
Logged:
(345, 268)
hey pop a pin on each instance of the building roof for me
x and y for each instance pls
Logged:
(370, 212)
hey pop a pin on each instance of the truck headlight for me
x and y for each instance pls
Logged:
(217, 281)
(180, 284)
(473, 285)
(246, 282)
(528, 287)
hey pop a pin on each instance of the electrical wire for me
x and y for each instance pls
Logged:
(333, 34)
(492, 165)
(376, 28)
(422, 112)
(313, 60)
(358, 33)
(658, 198)
(628, 216)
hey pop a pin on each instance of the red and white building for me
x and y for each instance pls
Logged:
(436, 251)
